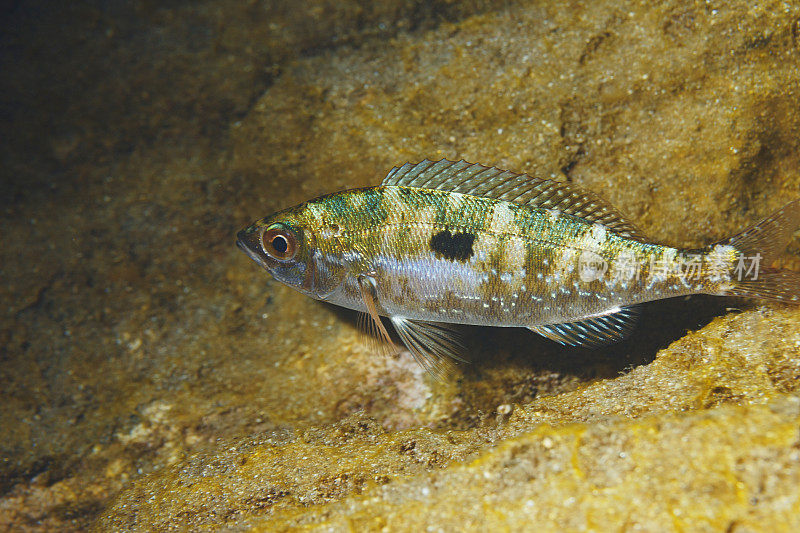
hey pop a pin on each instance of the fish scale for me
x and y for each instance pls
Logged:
(444, 243)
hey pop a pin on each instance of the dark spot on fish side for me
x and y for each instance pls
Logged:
(455, 247)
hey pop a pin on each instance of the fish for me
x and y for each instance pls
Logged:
(440, 244)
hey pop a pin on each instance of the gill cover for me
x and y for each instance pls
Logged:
(286, 245)
(327, 264)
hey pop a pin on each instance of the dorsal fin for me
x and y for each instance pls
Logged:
(478, 180)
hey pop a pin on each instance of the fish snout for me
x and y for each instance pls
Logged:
(248, 242)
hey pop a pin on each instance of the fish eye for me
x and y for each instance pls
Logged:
(279, 243)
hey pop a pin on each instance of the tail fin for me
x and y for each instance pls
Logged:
(773, 284)
(763, 244)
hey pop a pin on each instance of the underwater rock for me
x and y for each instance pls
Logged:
(709, 427)
(735, 467)
(152, 376)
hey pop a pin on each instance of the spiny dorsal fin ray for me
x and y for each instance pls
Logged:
(592, 332)
(478, 180)
(432, 344)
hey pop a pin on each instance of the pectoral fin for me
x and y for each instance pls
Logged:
(592, 332)
(432, 344)
(370, 322)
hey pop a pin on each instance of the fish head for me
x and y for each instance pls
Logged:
(288, 245)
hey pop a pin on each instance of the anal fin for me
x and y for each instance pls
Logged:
(594, 331)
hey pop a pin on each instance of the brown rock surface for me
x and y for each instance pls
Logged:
(151, 376)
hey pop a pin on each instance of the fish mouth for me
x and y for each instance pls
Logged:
(242, 243)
